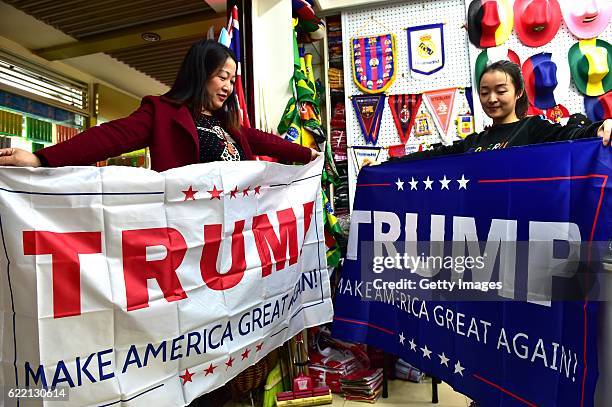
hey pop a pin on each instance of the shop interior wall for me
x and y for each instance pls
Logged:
(272, 60)
(114, 104)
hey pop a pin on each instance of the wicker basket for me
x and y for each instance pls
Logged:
(249, 379)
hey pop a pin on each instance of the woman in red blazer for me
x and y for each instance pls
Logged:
(196, 121)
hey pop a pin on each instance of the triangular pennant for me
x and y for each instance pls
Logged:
(440, 103)
(369, 109)
(404, 109)
(361, 153)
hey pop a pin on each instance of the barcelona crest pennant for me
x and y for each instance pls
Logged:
(426, 48)
(369, 109)
(373, 62)
(404, 109)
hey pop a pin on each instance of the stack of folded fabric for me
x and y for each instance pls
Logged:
(335, 78)
(405, 371)
(327, 366)
(363, 385)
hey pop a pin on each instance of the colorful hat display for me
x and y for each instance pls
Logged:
(598, 107)
(590, 62)
(490, 55)
(489, 22)
(586, 18)
(546, 80)
(536, 21)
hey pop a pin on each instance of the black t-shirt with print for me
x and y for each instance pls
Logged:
(215, 143)
(529, 130)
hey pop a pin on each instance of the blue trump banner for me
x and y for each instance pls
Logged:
(478, 254)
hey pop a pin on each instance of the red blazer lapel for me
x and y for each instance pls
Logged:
(183, 118)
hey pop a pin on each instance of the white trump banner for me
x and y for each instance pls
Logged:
(129, 287)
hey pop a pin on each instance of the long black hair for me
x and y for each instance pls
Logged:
(514, 72)
(204, 59)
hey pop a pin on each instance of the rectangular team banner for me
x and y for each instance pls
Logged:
(125, 286)
(487, 270)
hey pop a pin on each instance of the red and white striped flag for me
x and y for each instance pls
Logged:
(233, 30)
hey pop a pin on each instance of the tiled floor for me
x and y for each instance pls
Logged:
(402, 393)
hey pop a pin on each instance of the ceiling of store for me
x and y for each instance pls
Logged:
(116, 28)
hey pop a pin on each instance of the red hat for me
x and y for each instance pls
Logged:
(537, 21)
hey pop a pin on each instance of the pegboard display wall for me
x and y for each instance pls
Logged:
(395, 19)
(460, 58)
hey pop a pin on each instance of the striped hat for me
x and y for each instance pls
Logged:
(489, 56)
(590, 62)
(489, 22)
(598, 107)
(546, 80)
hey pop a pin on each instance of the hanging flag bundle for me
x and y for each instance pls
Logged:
(373, 60)
(230, 37)
(301, 120)
(404, 109)
(301, 124)
(440, 103)
(369, 109)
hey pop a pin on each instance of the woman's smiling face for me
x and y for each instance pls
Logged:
(498, 97)
(221, 84)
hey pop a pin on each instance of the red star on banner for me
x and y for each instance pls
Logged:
(215, 193)
(229, 363)
(186, 377)
(245, 354)
(233, 192)
(210, 370)
(258, 347)
(189, 194)
(257, 188)
(245, 192)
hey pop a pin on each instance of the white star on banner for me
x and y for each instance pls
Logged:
(444, 182)
(458, 368)
(443, 359)
(463, 182)
(400, 184)
(428, 183)
(412, 345)
(401, 338)
(413, 184)
(426, 352)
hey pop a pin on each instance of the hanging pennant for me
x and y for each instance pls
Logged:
(422, 126)
(465, 125)
(440, 103)
(404, 109)
(426, 48)
(373, 60)
(361, 153)
(368, 109)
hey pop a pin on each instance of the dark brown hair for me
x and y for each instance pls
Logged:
(514, 72)
(202, 61)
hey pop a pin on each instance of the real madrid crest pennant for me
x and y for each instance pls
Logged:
(404, 109)
(373, 61)
(426, 48)
(369, 109)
